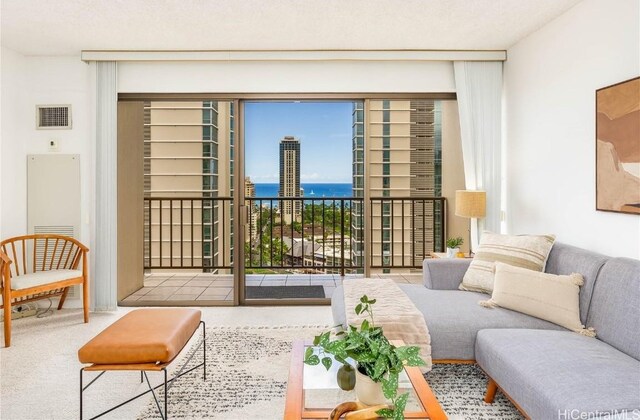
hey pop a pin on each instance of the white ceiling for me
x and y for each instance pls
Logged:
(65, 27)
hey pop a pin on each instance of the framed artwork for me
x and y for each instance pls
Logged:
(618, 147)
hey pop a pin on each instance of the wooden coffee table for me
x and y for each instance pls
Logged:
(313, 392)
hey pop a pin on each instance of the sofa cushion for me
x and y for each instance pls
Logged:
(142, 336)
(453, 318)
(566, 259)
(546, 296)
(548, 372)
(444, 273)
(39, 278)
(526, 251)
(615, 305)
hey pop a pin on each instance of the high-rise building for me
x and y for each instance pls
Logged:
(290, 178)
(249, 188)
(189, 153)
(249, 193)
(403, 160)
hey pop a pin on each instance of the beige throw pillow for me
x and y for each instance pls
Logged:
(545, 296)
(526, 251)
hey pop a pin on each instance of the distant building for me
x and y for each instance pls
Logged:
(290, 179)
(249, 188)
(251, 229)
(188, 153)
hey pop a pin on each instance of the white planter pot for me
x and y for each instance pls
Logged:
(451, 252)
(368, 391)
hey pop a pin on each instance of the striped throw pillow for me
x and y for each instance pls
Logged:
(525, 251)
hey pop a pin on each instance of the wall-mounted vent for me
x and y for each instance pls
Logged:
(52, 117)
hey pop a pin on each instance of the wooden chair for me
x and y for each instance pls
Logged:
(35, 267)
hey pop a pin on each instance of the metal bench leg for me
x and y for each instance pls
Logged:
(204, 350)
(166, 396)
(81, 371)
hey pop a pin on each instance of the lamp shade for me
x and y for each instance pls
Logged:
(472, 204)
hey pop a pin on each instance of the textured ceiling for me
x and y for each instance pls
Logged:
(64, 27)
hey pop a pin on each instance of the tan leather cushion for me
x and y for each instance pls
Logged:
(142, 336)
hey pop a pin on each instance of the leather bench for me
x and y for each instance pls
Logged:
(143, 340)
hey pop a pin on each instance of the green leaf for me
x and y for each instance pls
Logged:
(308, 352)
(326, 362)
(316, 340)
(365, 325)
(390, 385)
(312, 360)
(364, 299)
(380, 367)
(410, 355)
(386, 413)
(405, 352)
(358, 308)
(399, 405)
(371, 302)
(415, 361)
(324, 338)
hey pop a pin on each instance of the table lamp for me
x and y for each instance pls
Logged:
(471, 204)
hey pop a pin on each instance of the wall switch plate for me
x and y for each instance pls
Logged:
(53, 145)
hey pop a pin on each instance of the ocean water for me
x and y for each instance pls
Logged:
(310, 190)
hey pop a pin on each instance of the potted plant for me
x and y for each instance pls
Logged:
(453, 246)
(379, 362)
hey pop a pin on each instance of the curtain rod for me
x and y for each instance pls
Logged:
(296, 55)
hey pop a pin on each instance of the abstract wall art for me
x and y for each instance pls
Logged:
(618, 147)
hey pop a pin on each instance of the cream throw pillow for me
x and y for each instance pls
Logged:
(545, 296)
(526, 251)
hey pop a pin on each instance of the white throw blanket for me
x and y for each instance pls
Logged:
(393, 311)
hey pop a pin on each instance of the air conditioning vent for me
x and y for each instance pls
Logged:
(53, 117)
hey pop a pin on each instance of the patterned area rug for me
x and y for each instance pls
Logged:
(248, 368)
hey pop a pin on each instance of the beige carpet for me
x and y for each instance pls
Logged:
(39, 372)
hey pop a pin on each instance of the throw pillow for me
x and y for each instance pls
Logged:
(526, 251)
(546, 296)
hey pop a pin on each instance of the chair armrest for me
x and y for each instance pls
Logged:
(444, 273)
(5, 274)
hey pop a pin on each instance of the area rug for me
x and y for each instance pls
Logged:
(248, 370)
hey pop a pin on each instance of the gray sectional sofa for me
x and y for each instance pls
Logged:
(549, 372)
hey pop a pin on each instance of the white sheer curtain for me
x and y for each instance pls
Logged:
(479, 92)
(104, 280)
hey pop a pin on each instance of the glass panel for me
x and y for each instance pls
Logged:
(321, 390)
(412, 168)
(188, 190)
(304, 180)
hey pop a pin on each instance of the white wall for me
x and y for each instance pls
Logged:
(13, 195)
(42, 80)
(550, 81)
(26, 82)
(286, 76)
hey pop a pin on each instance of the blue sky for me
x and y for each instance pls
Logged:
(324, 131)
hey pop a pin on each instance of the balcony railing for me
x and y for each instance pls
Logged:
(188, 233)
(308, 235)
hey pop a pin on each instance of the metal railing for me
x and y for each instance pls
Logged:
(307, 235)
(185, 232)
(404, 231)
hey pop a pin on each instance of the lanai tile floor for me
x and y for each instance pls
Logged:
(210, 288)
